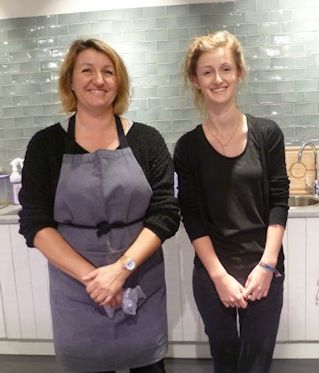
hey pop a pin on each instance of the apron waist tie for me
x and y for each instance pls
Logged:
(104, 227)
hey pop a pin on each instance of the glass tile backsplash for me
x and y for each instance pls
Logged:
(280, 38)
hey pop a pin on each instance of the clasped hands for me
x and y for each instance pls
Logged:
(105, 284)
(233, 294)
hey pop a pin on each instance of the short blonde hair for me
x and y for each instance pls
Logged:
(68, 98)
(209, 43)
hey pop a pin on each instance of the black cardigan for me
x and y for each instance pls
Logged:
(276, 183)
(41, 171)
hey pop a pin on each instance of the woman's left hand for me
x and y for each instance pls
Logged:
(257, 284)
(104, 284)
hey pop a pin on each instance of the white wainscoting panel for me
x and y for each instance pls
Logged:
(8, 286)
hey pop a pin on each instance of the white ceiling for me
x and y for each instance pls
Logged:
(27, 8)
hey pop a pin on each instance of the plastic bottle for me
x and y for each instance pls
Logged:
(5, 188)
(15, 178)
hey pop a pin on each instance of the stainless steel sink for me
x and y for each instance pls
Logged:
(302, 200)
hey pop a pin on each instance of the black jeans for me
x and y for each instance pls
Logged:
(153, 368)
(249, 349)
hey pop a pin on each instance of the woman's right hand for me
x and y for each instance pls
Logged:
(104, 283)
(230, 291)
(116, 301)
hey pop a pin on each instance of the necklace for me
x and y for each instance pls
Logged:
(225, 144)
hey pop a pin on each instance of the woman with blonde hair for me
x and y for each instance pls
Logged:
(233, 192)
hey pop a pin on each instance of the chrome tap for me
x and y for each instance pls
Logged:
(314, 152)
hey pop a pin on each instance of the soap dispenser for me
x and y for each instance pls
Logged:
(15, 178)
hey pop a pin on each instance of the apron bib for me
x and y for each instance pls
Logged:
(101, 200)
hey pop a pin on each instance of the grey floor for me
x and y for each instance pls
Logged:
(47, 364)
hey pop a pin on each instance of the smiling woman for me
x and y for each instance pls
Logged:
(106, 59)
(97, 200)
(94, 82)
(233, 192)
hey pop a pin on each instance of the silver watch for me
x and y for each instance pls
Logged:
(128, 263)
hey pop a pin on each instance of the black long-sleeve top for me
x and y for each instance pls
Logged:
(41, 172)
(233, 200)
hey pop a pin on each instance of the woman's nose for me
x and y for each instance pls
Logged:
(98, 77)
(218, 77)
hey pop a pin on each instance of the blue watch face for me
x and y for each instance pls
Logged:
(129, 264)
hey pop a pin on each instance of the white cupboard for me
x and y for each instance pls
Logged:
(303, 279)
(312, 280)
(24, 297)
(296, 274)
(10, 329)
(24, 289)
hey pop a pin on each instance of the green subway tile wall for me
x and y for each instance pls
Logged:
(280, 38)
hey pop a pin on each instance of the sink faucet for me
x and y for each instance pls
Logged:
(314, 152)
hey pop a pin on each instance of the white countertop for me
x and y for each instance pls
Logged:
(9, 214)
(304, 212)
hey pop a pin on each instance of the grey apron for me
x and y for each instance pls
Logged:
(100, 203)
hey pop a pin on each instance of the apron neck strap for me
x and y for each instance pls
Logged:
(120, 132)
(71, 127)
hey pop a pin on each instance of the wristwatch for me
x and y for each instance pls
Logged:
(128, 263)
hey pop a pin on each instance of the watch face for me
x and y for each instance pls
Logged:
(129, 264)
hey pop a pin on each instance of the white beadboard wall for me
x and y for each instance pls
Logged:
(25, 322)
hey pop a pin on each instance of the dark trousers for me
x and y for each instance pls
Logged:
(153, 368)
(241, 340)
